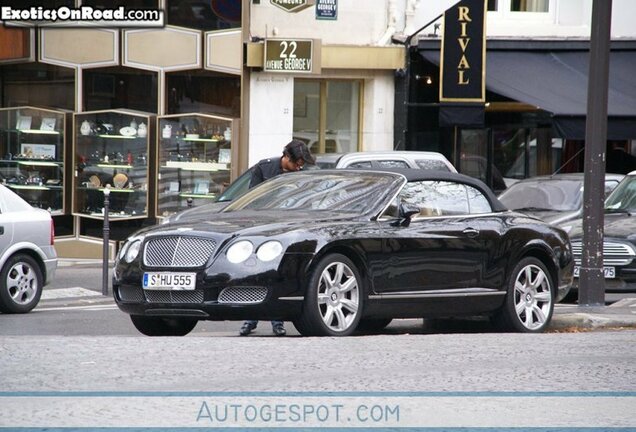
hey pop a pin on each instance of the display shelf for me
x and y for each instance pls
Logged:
(32, 152)
(112, 149)
(194, 159)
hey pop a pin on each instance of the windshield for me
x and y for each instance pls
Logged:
(340, 191)
(549, 195)
(624, 196)
(238, 188)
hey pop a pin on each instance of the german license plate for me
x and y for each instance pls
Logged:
(608, 272)
(169, 281)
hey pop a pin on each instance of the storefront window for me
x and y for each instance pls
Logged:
(37, 84)
(327, 114)
(120, 87)
(540, 6)
(204, 15)
(529, 5)
(203, 92)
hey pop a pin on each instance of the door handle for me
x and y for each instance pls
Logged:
(1, 230)
(471, 232)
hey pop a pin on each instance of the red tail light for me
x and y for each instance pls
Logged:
(52, 233)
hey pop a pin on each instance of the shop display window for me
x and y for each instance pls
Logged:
(194, 160)
(37, 84)
(203, 91)
(202, 15)
(32, 155)
(120, 87)
(111, 149)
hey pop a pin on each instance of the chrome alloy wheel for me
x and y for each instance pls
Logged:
(532, 297)
(22, 283)
(338, 296)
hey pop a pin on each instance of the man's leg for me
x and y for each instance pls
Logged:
(247, 327)
(278, 329)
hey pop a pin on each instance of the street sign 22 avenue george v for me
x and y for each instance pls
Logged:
(289, 55)
(293, 5)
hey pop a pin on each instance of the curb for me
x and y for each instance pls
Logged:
(591, 321)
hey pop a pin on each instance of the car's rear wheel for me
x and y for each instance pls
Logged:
(21, 284)
(334, 299)
(530, 299)
(157, 326)
(373, 325)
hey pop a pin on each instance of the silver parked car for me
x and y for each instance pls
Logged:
(28, 260)
(555, 199)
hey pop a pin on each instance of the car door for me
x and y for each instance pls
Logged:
(448, 245)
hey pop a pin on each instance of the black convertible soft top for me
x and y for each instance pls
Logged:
(413, 175)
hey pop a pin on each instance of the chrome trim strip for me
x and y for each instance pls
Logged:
(434, 295)
(295, 298)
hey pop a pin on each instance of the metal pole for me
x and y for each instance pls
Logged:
(106, 235)
(592, 282)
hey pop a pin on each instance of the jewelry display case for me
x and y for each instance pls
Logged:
(32, 143)
(195, 157)
(113, 149)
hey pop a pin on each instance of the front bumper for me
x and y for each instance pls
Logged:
(206, 304)
(222, 292)
(622, 283)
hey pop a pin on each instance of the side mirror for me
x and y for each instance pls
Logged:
(406, 212)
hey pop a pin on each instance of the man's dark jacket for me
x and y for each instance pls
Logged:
(265, 170)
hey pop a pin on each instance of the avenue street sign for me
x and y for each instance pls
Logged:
(293, 5)
(289, 55)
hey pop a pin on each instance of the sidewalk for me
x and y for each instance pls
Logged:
(617, 315)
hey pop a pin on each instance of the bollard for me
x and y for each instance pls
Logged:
(106, 234)
(189, 201)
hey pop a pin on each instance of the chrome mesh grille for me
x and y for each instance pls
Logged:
(613, 253)
(162, 296)
(242, 295)
(131, 294)
(178, 251)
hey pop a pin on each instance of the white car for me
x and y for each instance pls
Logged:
(28, 260)
(386, 159)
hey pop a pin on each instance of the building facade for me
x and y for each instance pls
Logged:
(227, 83)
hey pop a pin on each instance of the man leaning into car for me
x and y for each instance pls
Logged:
(295, 154)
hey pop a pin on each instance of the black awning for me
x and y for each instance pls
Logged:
(556, 81)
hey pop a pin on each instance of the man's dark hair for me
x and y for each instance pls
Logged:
(297, 149)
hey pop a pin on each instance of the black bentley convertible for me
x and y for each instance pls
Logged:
(336, 250)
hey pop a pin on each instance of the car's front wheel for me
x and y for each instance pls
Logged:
(333, 300)
(157, 326)
(21, 284)
(530, 299)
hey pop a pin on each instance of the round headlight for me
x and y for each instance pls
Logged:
(269, 250)
(239, 251)
(122, 251)
(133, 250)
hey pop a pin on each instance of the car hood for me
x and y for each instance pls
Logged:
(619, 225)
(199, 213)
(265, 223)
(553, 217)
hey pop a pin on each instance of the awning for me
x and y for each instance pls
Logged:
(556, 81)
